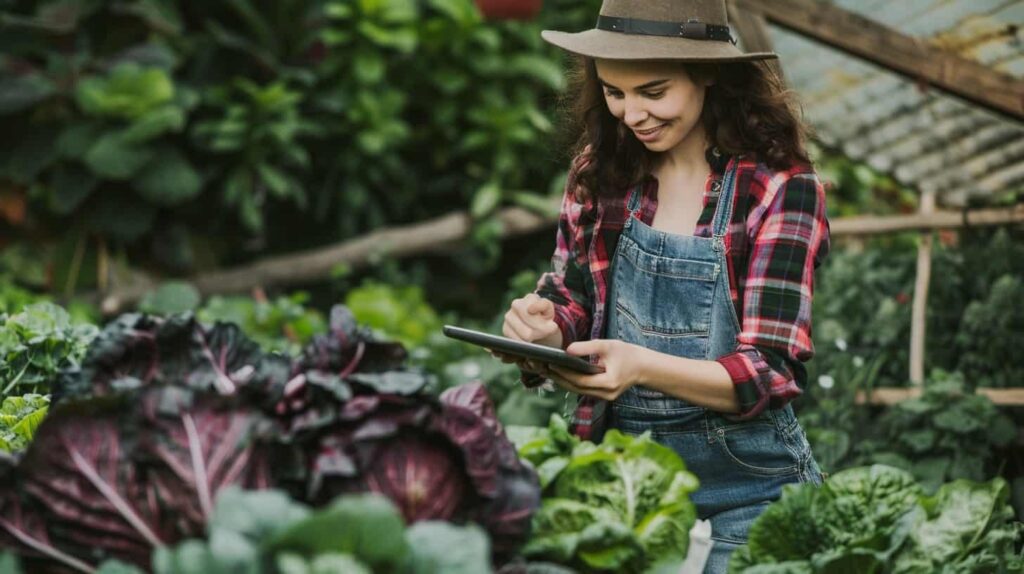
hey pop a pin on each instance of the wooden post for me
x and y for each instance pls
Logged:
(919, 318)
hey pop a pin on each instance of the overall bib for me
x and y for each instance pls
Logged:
(670, 293)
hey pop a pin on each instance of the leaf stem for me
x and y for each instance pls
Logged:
(46, 549)
(16, 379)
(114, 498)
(202, 481)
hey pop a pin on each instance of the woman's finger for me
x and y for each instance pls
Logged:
(519, 328)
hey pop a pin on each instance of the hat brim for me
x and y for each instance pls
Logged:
(618, 46)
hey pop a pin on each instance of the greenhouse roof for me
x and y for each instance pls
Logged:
(924, 137)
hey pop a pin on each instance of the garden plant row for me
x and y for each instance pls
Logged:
(174, 445)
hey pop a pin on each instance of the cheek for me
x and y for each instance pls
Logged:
(686, 109)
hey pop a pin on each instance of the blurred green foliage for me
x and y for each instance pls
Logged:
(233, 124)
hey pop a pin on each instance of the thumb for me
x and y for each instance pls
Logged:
(584, 348)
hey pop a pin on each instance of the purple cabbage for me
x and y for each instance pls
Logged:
(163, 414)
(444, 459)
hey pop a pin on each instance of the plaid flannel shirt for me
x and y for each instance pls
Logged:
(777, 237)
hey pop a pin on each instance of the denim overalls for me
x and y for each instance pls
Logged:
(670, 293)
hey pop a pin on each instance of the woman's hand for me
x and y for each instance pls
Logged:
(530, 319)
(622, 362)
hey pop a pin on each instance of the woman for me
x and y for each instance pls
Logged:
(689, 233)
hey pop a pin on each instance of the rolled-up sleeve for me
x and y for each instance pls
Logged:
(789, 242)
(564, 284)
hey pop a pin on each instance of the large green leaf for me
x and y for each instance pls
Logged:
(114, 157)
(787, 529)
(444, 548)
(169, 179)
(154, 123)
(610, 547)
(558, 526)
(960, 515)
(77, 139)
(367, 526)
(128, 92)
(70, 185)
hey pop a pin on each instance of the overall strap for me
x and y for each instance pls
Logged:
(635, 195)
(723, 211)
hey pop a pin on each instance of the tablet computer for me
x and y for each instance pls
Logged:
(540, 353)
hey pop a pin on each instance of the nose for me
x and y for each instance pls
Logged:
(635, 113)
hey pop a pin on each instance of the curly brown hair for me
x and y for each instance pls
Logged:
(747, 110)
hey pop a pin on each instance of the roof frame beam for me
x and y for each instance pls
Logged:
(891, 49)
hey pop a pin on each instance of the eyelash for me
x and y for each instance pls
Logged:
(651, 95)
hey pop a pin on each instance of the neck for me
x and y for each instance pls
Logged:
(687, 157)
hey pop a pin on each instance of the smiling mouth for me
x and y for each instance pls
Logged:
(650, 131)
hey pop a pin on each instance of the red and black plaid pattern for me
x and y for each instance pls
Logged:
(777, 237)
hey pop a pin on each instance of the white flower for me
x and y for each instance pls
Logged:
(841, 344)
(858, 361)
(826, 382)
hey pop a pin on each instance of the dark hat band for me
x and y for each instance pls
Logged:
(691, 29)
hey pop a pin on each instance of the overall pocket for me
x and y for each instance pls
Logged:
(757, 447)
(660, 313)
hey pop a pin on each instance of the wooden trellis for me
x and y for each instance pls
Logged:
(932, 66)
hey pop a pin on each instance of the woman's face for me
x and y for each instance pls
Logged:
(657, 101)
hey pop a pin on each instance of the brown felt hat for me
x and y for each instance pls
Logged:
(687, 30)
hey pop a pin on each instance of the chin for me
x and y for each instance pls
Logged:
(658, 146)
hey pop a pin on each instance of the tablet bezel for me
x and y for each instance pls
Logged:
(541, 353)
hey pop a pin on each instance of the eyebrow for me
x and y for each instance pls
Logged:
(646, 86)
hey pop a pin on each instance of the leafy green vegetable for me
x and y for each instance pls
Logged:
(19, 418)
(283, 324)
(36, 344)
(877, 519)
(264, 532)
(947, 433)
(619, 506)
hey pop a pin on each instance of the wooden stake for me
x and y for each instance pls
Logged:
(919, 318)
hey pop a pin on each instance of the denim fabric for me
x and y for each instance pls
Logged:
(671, 294)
